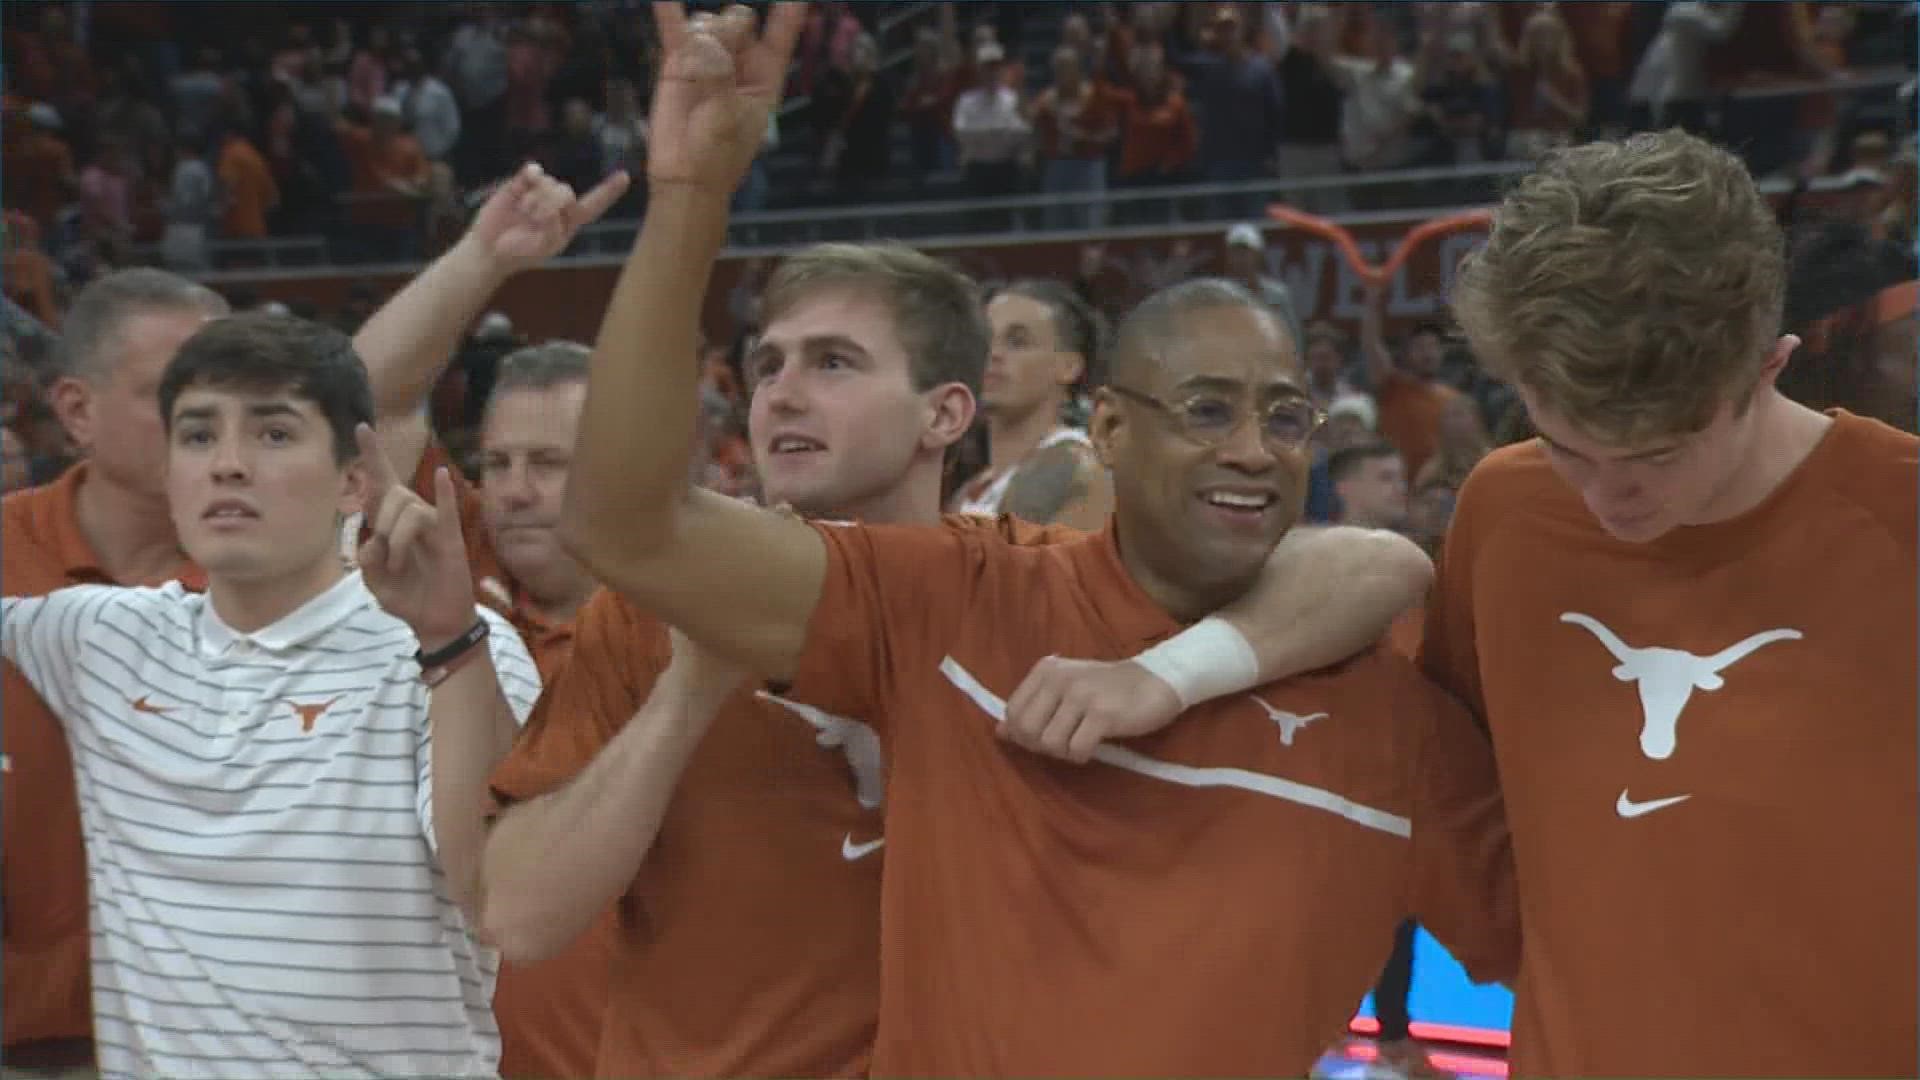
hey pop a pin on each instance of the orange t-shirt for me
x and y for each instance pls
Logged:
(249, 188)
(1211, 900)
(1707, 746)
(46, 953)
(747, 945)
(1410, 411)
(1403, 634)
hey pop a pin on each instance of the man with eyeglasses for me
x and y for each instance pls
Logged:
(1209, 899)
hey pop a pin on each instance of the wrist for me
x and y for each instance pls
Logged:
(1206, 660)
(440, 634)
(470, 258)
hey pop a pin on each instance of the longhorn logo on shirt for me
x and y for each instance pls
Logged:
(860, 744)
(1668, 677)
(1289, 723)
(309, 713)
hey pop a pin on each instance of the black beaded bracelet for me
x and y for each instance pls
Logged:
(451, 651)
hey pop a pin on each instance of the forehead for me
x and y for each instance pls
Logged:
(544, 414)
(1013, 309)
(229, 401)
(144, 341)
(859, 315)
(1560, 431)
(1229, 343)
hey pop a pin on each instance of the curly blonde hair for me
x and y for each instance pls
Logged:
(1631, 286)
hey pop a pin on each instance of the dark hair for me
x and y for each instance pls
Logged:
(1347, 461)
(267, 353)
(1077, 326)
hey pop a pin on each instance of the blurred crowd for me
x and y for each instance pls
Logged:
(374, 124)
(147, 132)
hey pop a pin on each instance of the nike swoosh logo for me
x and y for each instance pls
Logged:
(1627, 808)
(853, 852)
(141, 704)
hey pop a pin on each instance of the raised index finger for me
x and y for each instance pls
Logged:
(671, 20)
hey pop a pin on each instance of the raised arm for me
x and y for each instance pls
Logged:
(408, 342)
(1325, 595)
(1373, 339)
(740, 580)
(555, 861)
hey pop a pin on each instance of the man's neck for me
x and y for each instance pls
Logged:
(1187, 603)
(248, 607)
(560, 599)
(1783, 433)
(130, 532)
(1010, 438)
(915, 500)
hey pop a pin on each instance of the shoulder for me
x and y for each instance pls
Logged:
(1877, 468)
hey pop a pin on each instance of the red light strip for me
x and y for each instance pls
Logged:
(1447, 1033)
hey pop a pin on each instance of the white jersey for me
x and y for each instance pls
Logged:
(988, 501)
(266, 898)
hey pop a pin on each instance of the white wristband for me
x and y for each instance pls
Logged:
(1207, 660)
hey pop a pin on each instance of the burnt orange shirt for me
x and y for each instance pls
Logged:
(747, 944)
(1403, 634)
(1212, 900)
(1707, 747)
(46, 955)
(249, 188)
(1410, 411)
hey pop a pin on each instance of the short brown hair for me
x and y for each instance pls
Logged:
(1632, 286)
(936, 309)
(92, 326)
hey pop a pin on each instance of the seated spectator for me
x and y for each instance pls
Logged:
(247, 185)
(390, 176)
(927, 102)
(192, 206)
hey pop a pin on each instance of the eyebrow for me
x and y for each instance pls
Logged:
(261, 410)
(1643, 455)
(813, 343)
(1284, 387)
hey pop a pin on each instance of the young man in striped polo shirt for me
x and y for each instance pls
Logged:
(274, 775)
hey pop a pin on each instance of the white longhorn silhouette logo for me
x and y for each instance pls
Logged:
(860, 744)
(1668, 677)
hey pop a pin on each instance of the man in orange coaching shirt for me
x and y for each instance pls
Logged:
(1686, 613)
(1186, 854)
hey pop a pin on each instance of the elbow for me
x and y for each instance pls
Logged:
(520, 934)
(1403, 564)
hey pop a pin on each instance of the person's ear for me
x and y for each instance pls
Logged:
(74, 404)
(1107, 427)
(950, 410)
(1783, 350)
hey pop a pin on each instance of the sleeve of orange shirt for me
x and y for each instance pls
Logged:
(617, 655)
(1448, 655)
(890, 598)
(1463, 884)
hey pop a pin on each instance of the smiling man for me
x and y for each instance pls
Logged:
(1686, 613)
(273, 775)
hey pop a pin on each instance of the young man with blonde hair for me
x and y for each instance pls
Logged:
(1655, 607)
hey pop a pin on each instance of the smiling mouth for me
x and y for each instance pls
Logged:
(787, 445)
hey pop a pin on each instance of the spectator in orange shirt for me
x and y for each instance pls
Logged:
(1159, 138)
(248, 186)
(1407, 390)
(390, 174)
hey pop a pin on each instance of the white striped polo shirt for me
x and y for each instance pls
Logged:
(266, 900)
